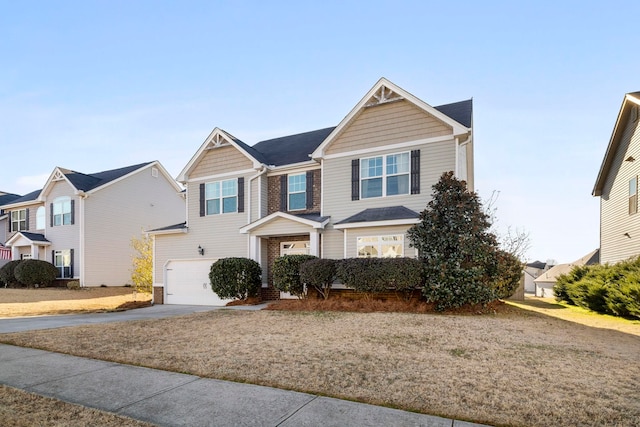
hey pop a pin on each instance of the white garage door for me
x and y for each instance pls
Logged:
(187, 282)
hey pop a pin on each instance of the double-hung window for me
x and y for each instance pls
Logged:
(62, 261)
(19, 220)
(221, 197)
(297, 190)
(385, 175)
(62, 211)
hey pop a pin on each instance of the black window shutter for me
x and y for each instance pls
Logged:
(53, 257)
(284, 190)
(73, 211)
(26, 218)
(241, 194)
(415, 172)
(355, 179)
(9, 222)
(51, 213)
(71, 263)
(309, 189)
(202, 199)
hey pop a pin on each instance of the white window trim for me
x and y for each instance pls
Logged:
(15, 223)
(380, 243)
(59, 204)
(221, 198)
(289, 192)
(41, 218)
(384, 175)
(66, 253)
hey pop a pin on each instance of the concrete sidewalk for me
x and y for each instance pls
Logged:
(173, 399)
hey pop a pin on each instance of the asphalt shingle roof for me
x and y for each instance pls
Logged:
(291, 149)
(87, 182)
(381, 214)
(26, 198)
(461, 112)
(171, 227)
(6, 198)
(34, 237)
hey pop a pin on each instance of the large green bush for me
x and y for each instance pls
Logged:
(286, 273)
(509, 275)
(7, 273)
(319, 273)
(32, 272)
(237, 278)
(459, 253)
(611, 289)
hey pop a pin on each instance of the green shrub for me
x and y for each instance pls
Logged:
(375, 275)
(363, 274)
(509, 275)
(286, 273)
(319, 273)
(7, 273)
(237, 278)
(404, 275)
(32, 272)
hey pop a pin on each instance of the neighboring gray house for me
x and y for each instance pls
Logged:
(84, 223)
(617, 186)
(347, 191)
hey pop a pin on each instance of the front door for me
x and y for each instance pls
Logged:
(294, 248)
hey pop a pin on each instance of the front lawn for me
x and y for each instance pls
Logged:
(515, 367)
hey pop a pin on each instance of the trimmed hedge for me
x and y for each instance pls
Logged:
(237, 278)
(610, 289)
(376, 275)
(319, 273)
(286, 273)
(32, 272)
(7, 273)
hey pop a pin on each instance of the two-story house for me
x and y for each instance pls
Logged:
(347, 191)
(5, 254)
(84, 223)
(617, 186)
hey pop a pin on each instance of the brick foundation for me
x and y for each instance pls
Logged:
(158, 295)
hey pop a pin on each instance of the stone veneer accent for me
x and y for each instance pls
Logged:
(158, 295)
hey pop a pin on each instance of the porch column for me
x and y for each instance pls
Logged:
(254, 248)
(314, 243)
(15, 254)
(34, 252)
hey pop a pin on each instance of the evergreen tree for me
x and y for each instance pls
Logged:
(459, 253)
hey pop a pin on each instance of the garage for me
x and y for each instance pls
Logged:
(187, 282)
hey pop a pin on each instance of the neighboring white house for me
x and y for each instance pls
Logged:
(617, 186)
(84, 223)
(545, 282)
(531, 272)
(347, 191)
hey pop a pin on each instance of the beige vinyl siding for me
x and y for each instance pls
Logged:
(435, 158)
(614, 202)
(33, 210)
(332, 243)
(221, 160)
(386, 124)
(282, 227)
(118, 212)
(63, 237)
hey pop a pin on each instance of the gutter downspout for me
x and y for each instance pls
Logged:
(82, 196)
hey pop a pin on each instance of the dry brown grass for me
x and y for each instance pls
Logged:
(514, 367)
(34, 302)
(21, 409)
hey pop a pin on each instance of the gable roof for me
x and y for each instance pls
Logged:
(32, 237)
(552, 274)
(218, 138)
(291, 149)
(24, 200)
(385, 91)
(630, 100)
(88, 182)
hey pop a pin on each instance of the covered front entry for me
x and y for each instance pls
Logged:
(302, 247)
(187, 282)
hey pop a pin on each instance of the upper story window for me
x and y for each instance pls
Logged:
(385, 175)
(40, 218)
(62, 211)
(19, 220)
(381, 246)
(221, 197)
(297, 190)
(633, 195)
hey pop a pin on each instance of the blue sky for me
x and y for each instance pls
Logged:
(97, 85)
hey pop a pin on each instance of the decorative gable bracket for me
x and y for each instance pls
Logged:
(218, 140)
(383, 96)
(57, 176)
